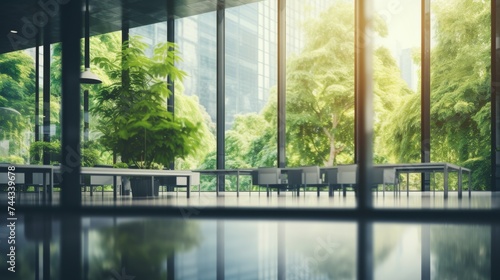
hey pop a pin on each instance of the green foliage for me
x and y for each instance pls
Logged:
(37, 148)
(460, 93)
(188, 107)
(12, 159)
(120, 165)
(17, 91)
(91, 153)
(320, 91)
(17, 82)
(134, 120)
(142, 247)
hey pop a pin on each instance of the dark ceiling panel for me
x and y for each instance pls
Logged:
(29, 17)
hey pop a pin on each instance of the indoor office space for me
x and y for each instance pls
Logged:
(246, 139)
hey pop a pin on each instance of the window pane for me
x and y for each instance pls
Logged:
(320, 82)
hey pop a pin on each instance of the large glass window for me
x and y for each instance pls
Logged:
(460, 86)
(250, 86)
(196, 38)
(396, 60)
(320, 82)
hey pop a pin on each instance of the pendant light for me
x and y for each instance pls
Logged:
(88, 77)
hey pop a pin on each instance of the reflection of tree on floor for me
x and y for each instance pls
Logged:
(143, 248)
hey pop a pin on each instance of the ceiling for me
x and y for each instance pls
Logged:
(105, 16)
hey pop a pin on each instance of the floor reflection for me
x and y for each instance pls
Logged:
(160, 248)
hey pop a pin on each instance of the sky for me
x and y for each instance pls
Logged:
(403, 22)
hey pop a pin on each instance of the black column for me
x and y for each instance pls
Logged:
(365, 249)
(71, 28)
(495, 98)
(364, 101)
(46, 90)
(221, 94)
(171, 266)
(425, 95)
(281, 83)
(71, 247)
(425, 254)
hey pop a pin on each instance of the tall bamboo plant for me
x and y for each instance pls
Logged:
(134, 120)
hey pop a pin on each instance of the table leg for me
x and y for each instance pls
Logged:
(51, 185)
(445, 181)
(152, 185)
(470, 184)
(238, 183)
(114, 188)
(45, 187)
(407, 182)
(460, 182)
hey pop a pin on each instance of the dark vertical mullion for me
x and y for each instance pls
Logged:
(46, 91)
(281, 83)
(37, 89)
(125, 73)
(425, 95)
(495, 100)
(87, 35)
(86, 119)
(71, 27)
(221, 95)
(87, 65)
(170, 82)
(364, 101)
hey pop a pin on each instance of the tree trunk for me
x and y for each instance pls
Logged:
(333, 151)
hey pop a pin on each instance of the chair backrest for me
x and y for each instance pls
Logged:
(346, 174)
(311, 175)
(4, 179)
(269, 175)
(255, 177)
(99, 180)
(389, 176)
(330, 176)
(295, 177)
(194, 180)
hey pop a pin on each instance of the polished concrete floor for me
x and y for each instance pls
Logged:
(387, 200)
(127, 239)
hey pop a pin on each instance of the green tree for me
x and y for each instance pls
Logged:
(320, 91)
(142, 247)
(189, 107)
(135, 122)
(17, 97)
(460, 92)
